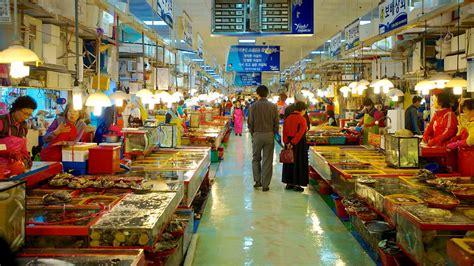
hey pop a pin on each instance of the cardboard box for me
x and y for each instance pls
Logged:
(34, 33)
(52, 79)
(50, 54)
(51, 34)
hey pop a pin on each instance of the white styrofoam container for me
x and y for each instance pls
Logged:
(76, 156)
(50, 54)
(52, 79)
(462, 43)
(65, 81)
(92, 14)
(51, 34)
(450, 62)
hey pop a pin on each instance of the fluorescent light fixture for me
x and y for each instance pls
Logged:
(247, 41)
(166, 40)
(365, 22)
(155, 22)
(198, 60)
(328, 41)
(343, 40)
(317, 52)
(182, 41)
(188, 52)
(307, 60)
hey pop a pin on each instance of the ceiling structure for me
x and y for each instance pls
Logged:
(330, 16)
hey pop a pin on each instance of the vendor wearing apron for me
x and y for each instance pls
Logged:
(66, 129)
(13, 130)
(172, 117)
(371, 116)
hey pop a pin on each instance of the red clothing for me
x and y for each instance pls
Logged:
(53, 153)
(294, 127)
(442, 128)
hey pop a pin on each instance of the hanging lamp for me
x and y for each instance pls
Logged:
(440, 79)
(394, 94)
(98, 100)
(16, 54)
(345, 91)
(119, 97)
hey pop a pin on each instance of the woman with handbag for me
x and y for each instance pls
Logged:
(295, 174)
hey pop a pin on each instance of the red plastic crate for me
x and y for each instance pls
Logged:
(104, 160)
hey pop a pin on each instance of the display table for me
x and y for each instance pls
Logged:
(40, 171)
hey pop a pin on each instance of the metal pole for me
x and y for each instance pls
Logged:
(144, 68)
(76, 25)
(16, 35)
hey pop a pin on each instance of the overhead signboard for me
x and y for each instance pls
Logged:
(200, 46)
(302, 16)
(165, 11)
(248, 79)
(243, 58)
(5, 16)
(269, 17)
(393, 14)
(335, 45)
(188, 30)
(352, 35)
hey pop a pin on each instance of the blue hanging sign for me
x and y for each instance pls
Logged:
(393, 14)
(335, 45)
(303, 16)
(243, 58)
(352, 35)
(248, 79)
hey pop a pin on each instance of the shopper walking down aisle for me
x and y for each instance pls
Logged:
(263, 124)
(295, 175)
(238, 118)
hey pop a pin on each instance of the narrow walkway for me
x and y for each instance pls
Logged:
(243, 226)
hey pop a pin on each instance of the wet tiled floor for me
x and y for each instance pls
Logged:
(244, 226)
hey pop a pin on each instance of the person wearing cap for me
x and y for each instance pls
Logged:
(291, 108)
(443, 125)
(412, 120)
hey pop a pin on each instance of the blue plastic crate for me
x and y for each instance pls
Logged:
(337, 140)
(75, 168)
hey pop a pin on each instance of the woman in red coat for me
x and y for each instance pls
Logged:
(295, 175)
(443, 125)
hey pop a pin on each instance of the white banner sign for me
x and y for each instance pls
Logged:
(352, 35)
(393, 14)
(335, 45)
(163, 78)
(5, 16)
(188, 30)
(200, 46)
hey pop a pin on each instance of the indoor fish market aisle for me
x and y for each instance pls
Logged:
(243, 226)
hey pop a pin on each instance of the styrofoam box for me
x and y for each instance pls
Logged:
(81, 152)
(92, 15)
(79, 156)
(65, 81)
(36, 25)
(51, 34)
(450, 62)
(462, 43)
(52, 79)
(50, 54)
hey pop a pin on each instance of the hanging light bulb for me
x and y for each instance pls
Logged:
(19, 70)
(345, 91)
(425, 86)
(374, 84)
(151, 105)
(77, 98)
(395, 98)
(97, 110)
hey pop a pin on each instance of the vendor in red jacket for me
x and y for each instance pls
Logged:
(443, 125)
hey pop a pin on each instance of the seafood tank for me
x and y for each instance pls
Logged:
(136, 221)
(168, 135)
(140, 141)
(402, 152)
(12, 212)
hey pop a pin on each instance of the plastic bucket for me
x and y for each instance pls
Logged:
(324, 188)
(340, 209)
